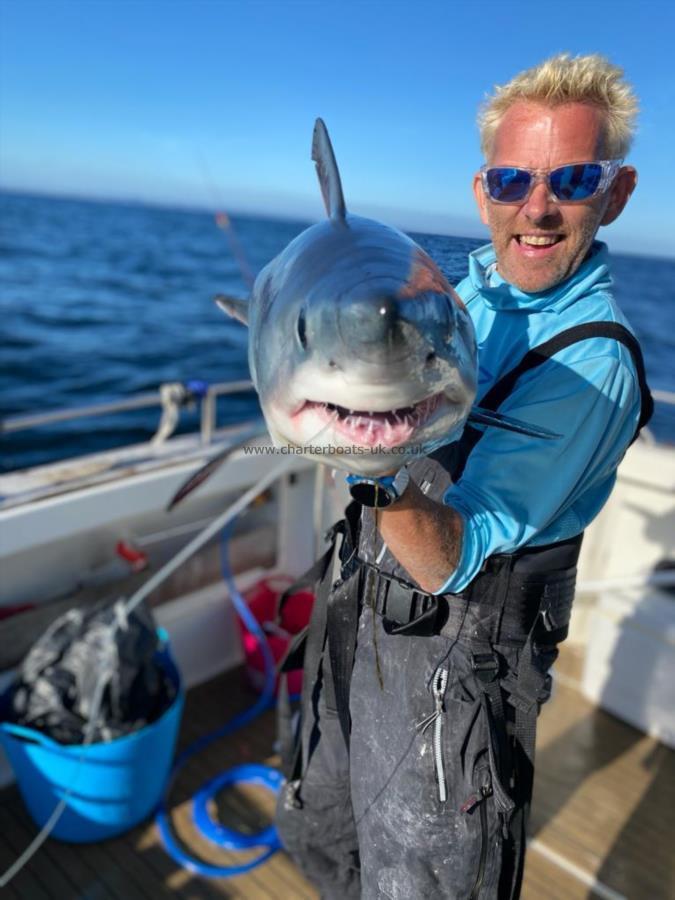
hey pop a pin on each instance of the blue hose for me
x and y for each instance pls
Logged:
(264, 776)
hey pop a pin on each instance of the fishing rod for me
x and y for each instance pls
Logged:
(224, 222)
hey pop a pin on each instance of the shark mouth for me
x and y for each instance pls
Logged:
(368, 428)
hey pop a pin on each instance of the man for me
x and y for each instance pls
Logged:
(417, 747)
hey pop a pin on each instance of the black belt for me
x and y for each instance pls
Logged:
(407, 610)
(404, 608)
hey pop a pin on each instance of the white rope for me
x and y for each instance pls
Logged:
(172, 395)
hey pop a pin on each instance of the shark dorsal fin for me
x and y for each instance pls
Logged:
(327, 170)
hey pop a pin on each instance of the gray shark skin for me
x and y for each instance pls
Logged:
(360, 350)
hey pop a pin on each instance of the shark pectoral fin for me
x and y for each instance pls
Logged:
(487, 417)
(233, 306)
(328, 173)
(200, 476)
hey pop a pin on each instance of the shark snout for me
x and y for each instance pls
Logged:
(385, 330)
(371, 327)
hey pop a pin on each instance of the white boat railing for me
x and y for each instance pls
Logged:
(208, 409)
(667, 397)
(205, 394)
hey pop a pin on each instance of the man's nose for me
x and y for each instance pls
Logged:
(540, 203)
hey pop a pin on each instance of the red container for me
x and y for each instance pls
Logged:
(262, 600)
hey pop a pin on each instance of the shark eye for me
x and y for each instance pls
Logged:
(302, 329)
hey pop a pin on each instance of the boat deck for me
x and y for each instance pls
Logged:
(603, 822)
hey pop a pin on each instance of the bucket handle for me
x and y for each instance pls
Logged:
(28, 735)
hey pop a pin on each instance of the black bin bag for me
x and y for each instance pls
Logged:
(54, 691)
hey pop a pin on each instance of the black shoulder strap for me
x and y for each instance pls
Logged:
(543, 352)
(538, 355)
(305, 651)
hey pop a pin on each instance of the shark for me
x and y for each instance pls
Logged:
(361, 352)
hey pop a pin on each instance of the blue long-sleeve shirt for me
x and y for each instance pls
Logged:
(518, 490)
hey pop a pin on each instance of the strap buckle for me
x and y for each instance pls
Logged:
(485, 665)
(404, 608)
(521, 702)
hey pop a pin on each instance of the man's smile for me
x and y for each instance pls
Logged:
(535, 246)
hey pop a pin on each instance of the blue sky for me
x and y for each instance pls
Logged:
(210, 103)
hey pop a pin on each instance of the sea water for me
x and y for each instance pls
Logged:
(99, 301)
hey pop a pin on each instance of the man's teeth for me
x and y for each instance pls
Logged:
(538, 240)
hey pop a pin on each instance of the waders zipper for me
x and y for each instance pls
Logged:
(469, 806)
(436, 717)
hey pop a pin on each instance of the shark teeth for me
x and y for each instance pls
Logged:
(405, 415)
(390, 428)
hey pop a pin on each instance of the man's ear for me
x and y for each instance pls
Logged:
(619, 194)
(481, 200)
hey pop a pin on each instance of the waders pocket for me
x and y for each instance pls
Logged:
(477, 806)
(472, 754)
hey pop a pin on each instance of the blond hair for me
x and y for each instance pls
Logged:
(562, 79)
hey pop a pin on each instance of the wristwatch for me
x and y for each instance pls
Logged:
(378, 493)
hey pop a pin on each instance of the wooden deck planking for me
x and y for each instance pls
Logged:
(39, 881)
(604, 801)
(25, 883)
(605, 797)
(247, 808)
(546, 881)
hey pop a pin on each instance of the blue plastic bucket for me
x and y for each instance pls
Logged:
(115, 785)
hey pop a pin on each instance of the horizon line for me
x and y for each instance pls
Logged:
(291, 218)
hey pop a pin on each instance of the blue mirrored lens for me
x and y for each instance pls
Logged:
(508, 185)
(576, 182)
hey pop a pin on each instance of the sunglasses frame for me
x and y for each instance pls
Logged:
(610, 169)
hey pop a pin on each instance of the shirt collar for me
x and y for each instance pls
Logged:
(592, 274)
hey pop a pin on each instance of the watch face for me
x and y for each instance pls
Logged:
(371, 494)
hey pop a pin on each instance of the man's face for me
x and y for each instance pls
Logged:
(533, 136)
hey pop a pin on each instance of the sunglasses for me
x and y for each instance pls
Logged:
(572, 183)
